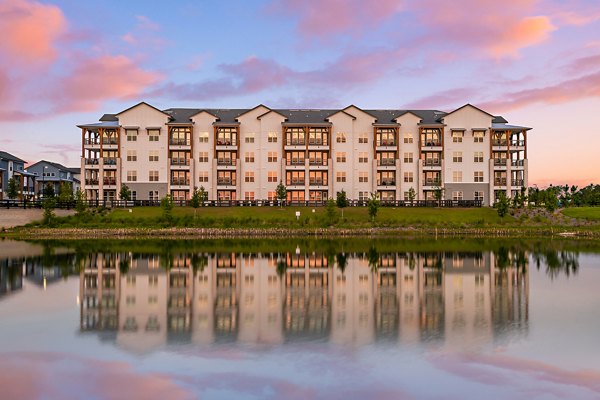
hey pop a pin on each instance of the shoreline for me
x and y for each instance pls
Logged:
(203, 233)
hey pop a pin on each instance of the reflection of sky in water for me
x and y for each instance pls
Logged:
(44, 355)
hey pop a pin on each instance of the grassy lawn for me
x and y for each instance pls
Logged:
(588, 213)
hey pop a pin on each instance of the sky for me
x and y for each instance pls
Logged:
(535, 62)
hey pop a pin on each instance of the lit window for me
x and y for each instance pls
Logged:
(478, 176)
(249, 176)
(272, 176)
(363, 157)
(203, 137)
(363, 177)
(131, 135)
(456, 176)
(457, 195)
(153, 135)
(478, 156)
(340, 177)
(153, 176)
(203, 156)
(363, 138)
(340, 157)
(272, 156)
(249, 138)
(131, 155)
(408, 157)
(478, 136)
(457, 137)
(457, 156)
(249, 157)
(272, 137)
(131, 176)
(340, 137)
(153, 155)
(203, 176)
(408, 138)
(408, 177)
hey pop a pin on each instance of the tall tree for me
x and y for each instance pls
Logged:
(281, 193)
(13, 188)
(342, 201)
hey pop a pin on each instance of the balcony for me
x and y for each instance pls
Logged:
(386, 143)
(109, 181)
(91, 182)
(500, 162)
(499, 142)
(386, 162)
(317, 162)
(295, 142)
(91, 142)
(317, 142)
(226, 162)
(295, 162)
(179, 142)
(517, 143)
(432, 182)
(386, 182)
(225, 182)
(517, 182)
(180, 181)
(517, 163)
(295, 182)
(182, 162)
(432, 162)
(109, 142)
(92, 161)
(500, 182)
(110, 162)
(317, 182)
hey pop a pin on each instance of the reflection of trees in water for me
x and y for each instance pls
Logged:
(557, 262)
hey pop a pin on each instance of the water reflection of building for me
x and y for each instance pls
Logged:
(277, 298)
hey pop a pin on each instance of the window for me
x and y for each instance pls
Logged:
(131, 176)
(457, 136)
(153, 135)
(478, 196)
(408, 157)
(478, 136)
(203, 137)
(133, 195)
(249, 138)
(153, 176)
(295, 136)
(203, 156)
(363, 157)
(363, 138)
(340, 157)
(249, 196)
(272, 176)
(226, 136)
(363, 196)
(153, 195)
(203, 176)
(363, 177)
(272, 156)
(272, 137)
(249, 158)
(478, 156)
(408, 138)
(340, 177)
(385, 137)
(131, 155)
(456, 176)
(457, 195)
(340, 137)
(457, 156)
(271, 196)
(406, 196)
(408, 177)
(153, 155)
(131, 135)
(478, 176)
(249, 176)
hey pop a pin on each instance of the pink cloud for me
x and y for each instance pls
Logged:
(29, 31)
(144, 34)
(319, 19)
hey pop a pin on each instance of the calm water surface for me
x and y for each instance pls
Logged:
(299, 319)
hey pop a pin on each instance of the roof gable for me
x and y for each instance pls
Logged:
(142, 103)
(10, 157)
(340, 112)
(273, 111)
(471, 106)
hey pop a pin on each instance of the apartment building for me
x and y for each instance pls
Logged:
(53, 174)
(13, 167)
(242, 154)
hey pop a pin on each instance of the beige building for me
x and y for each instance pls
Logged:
(242, 154)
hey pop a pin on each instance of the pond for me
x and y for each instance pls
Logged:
(300, 318)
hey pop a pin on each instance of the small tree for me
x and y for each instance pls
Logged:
(330, 212)
(203, 194)
(166, 203)
(65, 195)
(49, 190)
(281, 193)
(48, 206)
(373, 206)
(196, 200)
(341, 201)
(412, 194)
(13, 188)
(125, 193)
(438, 194)
(80, 202)
(502, 204)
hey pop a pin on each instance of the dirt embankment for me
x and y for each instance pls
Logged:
(10, 218)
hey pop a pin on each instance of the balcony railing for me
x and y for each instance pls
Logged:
(500, 161)
(317, 182)
(386, 143)
(317, 161)
(433, 162)
(433, 182)
(109, 141)
(386, 182)
(317, 142)
(110, 181)
(226, 161)
(431, 143)
(224, 142)
(516, 182)
(518, 163)
(92, 161)
(91, 141)
(517, 143)
(179, 142)
(501, 142)
(295, 182)
(295, 142)
(91, 181)
(180, 161)
(500, 182)
(295, 161)
(180, 181)
(110, 161)
(225, 182)
(386, 162)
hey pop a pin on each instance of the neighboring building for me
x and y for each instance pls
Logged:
(11, 166)
(242, 154)
(54, 174)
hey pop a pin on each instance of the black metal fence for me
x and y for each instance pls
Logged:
(239, 203)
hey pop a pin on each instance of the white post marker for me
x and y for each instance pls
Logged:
(297, 215)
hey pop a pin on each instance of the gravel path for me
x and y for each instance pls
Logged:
(16, 217)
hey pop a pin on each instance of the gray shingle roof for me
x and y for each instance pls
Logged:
(55, 165)
(7, 156)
